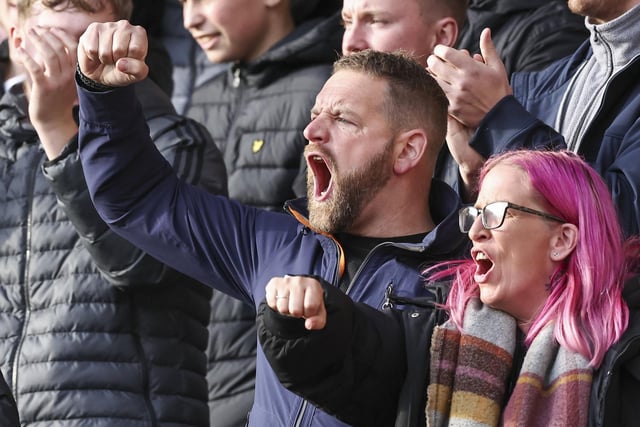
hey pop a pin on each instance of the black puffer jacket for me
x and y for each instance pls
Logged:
(76, 349)
(616, 385)
(528, 34)
(4, 62)
(256, 112)
(8, 409)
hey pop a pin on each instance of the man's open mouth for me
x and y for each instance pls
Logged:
(320, 168)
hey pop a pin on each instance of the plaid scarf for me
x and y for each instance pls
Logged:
(470, 371)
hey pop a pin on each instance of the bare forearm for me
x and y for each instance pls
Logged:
(55, 136)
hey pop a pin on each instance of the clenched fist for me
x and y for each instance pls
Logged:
(298, 296)
(113, 53)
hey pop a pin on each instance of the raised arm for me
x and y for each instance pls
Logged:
(137, 193)
(52, 95)
(478, 89)
(473, 85)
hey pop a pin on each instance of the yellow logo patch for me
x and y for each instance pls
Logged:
(257, 145)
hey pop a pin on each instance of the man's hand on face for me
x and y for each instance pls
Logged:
(473, 85)
(51, 87)
(300, 297)
(113, 53)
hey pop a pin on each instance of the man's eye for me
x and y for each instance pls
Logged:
(377, 21)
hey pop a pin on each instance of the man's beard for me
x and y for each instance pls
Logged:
(592, 9)
(351, 192)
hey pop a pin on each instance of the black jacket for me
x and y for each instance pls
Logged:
(77, 348)
(528, 34)
(8, 409)
(4, 62)
(615, 393)
(366, 367)
(256, 112)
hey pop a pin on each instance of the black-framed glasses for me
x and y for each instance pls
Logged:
(493, 215)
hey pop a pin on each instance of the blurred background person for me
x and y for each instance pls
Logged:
(528, 34)
(256, 109)
(10, 70)
(95, 331)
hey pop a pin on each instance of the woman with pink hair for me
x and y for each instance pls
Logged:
(537, 306)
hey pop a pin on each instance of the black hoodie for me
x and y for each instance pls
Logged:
(528, 34)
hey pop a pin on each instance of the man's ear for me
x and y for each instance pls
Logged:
(447, 31)
(564, 242)
(411, 147)
(15, 37)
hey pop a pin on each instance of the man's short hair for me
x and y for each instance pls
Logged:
(121, 8)
(413, 99)
(457, 9)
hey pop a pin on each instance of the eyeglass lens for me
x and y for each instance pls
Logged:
(492, 216)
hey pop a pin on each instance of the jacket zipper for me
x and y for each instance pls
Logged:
(575, 144)
(236, 76)
(412, 248)
(305, 403)
(144, 371)
(26, 287)
(228, 143)
(303, 409)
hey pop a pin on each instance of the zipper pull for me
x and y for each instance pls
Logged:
(387, 297)
(236, 77)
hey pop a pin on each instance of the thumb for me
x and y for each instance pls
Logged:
(488, 49)
(135, 68)
(316, 321)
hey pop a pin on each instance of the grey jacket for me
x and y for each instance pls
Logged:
(256, 112)
(93, 330)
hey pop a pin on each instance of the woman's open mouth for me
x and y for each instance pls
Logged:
(484, 265)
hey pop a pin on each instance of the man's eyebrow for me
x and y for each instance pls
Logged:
(372, 11)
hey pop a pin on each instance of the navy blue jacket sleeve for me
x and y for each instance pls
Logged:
(183, 142)
(137, 193)
(508, 126)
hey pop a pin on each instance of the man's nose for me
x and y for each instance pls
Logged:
(191, 17)
(316, 131)
(354, 39)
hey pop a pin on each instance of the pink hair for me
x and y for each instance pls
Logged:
(585, 298)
